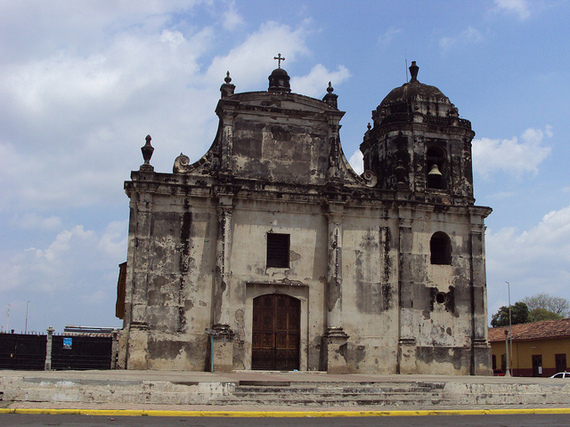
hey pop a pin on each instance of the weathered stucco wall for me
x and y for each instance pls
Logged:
(177, 276)
(360, 261)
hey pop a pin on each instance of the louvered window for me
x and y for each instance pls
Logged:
(278, 250)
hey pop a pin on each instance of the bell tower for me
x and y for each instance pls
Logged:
(419, 145)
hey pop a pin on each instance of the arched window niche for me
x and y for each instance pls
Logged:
(440, 249)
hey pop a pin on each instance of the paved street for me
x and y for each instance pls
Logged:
(400, 421)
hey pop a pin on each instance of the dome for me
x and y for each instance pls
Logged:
(414, 90)
(279, 81)
(414, 97)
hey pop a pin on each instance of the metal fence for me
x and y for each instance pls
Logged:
(22, 351)
(29, 352)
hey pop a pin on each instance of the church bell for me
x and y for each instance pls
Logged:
(434, 170)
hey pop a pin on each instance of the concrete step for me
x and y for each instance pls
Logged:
(334, 390)
(330, 394)
(317, 400)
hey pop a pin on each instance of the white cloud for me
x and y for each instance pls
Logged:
(95, 298)
(78, 265)
(469, 36)
(232, 19)
(71, 252)
(33, 221)
(79, 96)
(315, 83)
(82, 25)
(356, 161)
(518, 8)
(259, 49)
(511, 155)
(534, 259)
(113, 242)
(386, 39)
(62, 245)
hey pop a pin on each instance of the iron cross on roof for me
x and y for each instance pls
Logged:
(279, 58)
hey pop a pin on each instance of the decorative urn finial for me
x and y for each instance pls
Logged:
(414, 71)
(147, 151)
(331, 98)
(227, 88)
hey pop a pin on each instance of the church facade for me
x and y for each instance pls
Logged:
(271, 253)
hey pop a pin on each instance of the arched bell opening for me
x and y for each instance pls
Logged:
(436, 168)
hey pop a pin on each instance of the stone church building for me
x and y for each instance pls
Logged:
(271, 253)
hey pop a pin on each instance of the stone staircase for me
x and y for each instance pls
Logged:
(268, 393)
(328, 394)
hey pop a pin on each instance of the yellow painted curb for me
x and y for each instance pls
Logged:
(281, 414)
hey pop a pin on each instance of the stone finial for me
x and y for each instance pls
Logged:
(331, 98)
(227, 88)
(414, 72)
(367, 133)
(147, 151)
(330, 89)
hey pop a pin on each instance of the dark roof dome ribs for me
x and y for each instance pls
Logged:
(413, 98)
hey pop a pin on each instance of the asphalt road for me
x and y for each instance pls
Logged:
(399, 421)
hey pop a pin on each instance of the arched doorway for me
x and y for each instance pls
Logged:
(276, 332)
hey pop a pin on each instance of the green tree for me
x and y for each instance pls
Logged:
(539, 314)
(519, 314)
(557, 305)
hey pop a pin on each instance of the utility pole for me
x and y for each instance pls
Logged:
(509, 341)
(507, 372)
(27, 305)
(8, 318)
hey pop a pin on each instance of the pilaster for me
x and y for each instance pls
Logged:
(137, 350)
(222, 349)
(480, 348)
(222, 334)
(334, 348)
(335, 339)
(407, 342)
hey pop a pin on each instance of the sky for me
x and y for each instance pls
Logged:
(83, 82)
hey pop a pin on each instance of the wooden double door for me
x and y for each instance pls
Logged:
(276, 332)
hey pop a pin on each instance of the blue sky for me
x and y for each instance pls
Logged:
(83, 83)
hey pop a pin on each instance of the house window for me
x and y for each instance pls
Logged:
(278, 250)
(440, 249)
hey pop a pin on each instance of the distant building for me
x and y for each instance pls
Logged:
(540, 349)
(271, 253)
(89, 331)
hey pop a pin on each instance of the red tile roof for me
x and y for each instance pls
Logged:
(546, 329)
